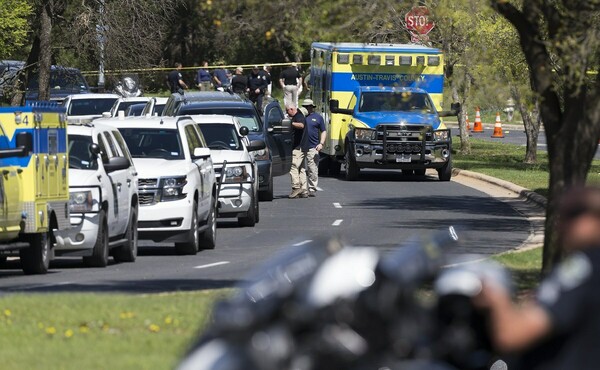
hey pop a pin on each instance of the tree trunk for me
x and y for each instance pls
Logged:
(465, 145)
(45, 35)
(531, 121)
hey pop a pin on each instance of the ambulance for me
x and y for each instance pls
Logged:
(34, 186)
(382, 105)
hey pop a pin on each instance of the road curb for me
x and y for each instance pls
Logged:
(524, 193)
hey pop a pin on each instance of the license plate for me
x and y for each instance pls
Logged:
(403, 159)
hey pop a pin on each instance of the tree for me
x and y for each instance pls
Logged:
(560, 40)
(13, 25)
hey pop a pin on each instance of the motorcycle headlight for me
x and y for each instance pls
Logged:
(82, 201)
(261, 155)
(441, 135)
(236, 174)
(365, 134)
(172, 188)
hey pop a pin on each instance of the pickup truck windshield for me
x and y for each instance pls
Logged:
(90, 107)
(153, 143)
(80, 156)
(221, 136)
(395, 102)
(247, 116)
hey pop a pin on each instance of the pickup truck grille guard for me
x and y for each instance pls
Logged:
(220, 172)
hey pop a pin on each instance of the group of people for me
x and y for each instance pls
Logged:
(309, 134)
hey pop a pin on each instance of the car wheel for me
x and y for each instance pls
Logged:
(408, 172)
(250, 219)
(99, 257)
(267, 195)
(445, 173)
(191, 245)
(420, 172)
(352, 170)
(208, 239)
(128, 251)
(36, 258)
(335, 168)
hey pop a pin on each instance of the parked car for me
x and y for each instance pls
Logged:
(124, 103)
(235, 166)
(154, 107)
(64, 81)
(177, 184)
(103, 197)
(86, 107)
(274, 129)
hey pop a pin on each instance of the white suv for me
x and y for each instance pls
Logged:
(176, 180)
(235, 166)
(103, 197)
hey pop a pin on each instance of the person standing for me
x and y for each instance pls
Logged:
(239, 82)
(267, 72)
(298, 169)
(312, 143)
(204, 78)
(222, 79)
(290, 81)
(257, 85)
(175, 80)
(560, 327)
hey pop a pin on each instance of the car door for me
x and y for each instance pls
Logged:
(280, 140)
(120, 206)
(131, 176)
(203, 166)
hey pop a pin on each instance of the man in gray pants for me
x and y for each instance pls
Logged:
(290, 80)
(313, 142)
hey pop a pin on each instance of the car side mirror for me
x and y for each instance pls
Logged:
(95, 149)
(25, 140)
(106, 115)
(334, 107)
(201, 152)
(116, 164)
(286, 127)
(455, 109)
(244, 131)
(256, 145)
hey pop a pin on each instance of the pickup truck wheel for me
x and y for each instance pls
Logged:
(352, 169)
(250, 219)
(36, 258)
(208, 239)
(420, 172)
(128, 251)
(408, 172)
(99, 257)
(267, 195)
(191, 245)
(445, 173)
(335, 168)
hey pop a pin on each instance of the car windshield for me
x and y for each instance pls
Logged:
(153, 143)
(220, 136)
(158, 109)
(61, 79)
(395, 102)
(135, 110)
(90, 107)
(126, 104)
(80, 156)
(247, 117)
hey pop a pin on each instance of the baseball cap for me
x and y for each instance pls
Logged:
(308, 103)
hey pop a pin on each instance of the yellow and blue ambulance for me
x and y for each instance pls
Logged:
(34, 186)
(382, 105)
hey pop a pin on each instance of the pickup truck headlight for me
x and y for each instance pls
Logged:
(440, 135)
(172, 188)
(82, 201)
(236, 174)
(262, 155)
(365, 134)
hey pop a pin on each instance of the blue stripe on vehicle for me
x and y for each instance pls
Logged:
(433, 84)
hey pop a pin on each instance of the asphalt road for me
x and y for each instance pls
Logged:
(513, 136)
(380, 210)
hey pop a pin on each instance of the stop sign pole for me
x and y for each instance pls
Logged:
(419, 23)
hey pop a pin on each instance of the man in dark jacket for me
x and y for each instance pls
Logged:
(257, 84)
(560, 327)
(239, 82)
(175, 80)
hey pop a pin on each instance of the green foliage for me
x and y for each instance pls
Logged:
(13, 26)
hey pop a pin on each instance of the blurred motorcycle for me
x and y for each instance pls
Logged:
(329, 306)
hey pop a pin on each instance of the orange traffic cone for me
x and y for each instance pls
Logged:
(477, 127)
(467, 121)
(498, 128)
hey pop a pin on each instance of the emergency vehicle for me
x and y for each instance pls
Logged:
(382, 105)
(34, 186)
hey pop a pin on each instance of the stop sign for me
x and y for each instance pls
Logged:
(417, 20)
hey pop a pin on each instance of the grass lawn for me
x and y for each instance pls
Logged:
(525, 268)
(100, 331)
(505, 161)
